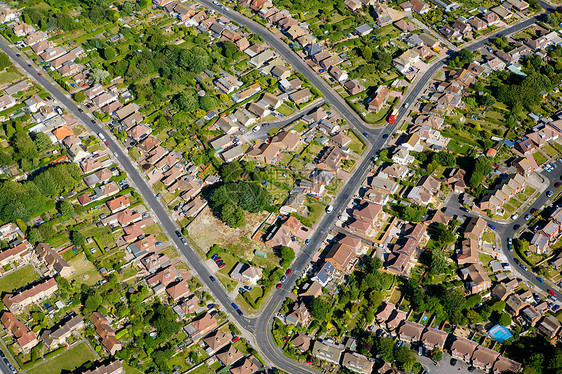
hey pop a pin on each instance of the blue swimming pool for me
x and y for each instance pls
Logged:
(500, 333)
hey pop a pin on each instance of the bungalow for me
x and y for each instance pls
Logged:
(419, 6)
(201, 326)
(301, 342)
(328, 351)
(301, 96)
(246, 273)
(338, 74)
(354, 87)
(477, 24)
(229, 356)
(118, 204)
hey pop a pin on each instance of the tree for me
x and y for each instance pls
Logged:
(287, 256)
(367, 53)
(320, 309)
(42, 142)
(4, 61)
(186, 102)
(446, 158)
(208, 103)
(109, 53)
(80, 96)
(438, 262)
(229, 49)
(25, 147)
(93, 302)
(35, 236)
(98, 75)
(66, 209)
(405, 358)
(521, 245)
(232, 215)
(482, 167)
(505, 319)
(437, 354)
(385, 347)
(473, 316)
(197, 60)
(231, 172)
(77, 238)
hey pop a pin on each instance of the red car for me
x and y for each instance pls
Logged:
(289, 271)
(278, 286)
(552, 292)
(106, 143)
(235, 339)
(533, 211)
(391, 119)
(557, 184)
(39, 74)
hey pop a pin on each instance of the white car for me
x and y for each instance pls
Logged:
(515, 216)
(256, 128)
(329, 209)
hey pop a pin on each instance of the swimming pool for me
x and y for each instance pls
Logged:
(500, 333)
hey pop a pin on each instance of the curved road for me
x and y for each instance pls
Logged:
(260, 328)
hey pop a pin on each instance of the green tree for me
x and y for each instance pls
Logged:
(93, 302)
(34, 236)
(231, 172)
(367, 53)
(438, 263)
(446, 158)
(233, 215)
(521, 245)
(77, 238)
(208, 103)
(482, 167)
(385, 347)
(80, 96)
(186, 102)
(437, 354)
(287, 256)
(405, 358)
(66, 209)
(505, 319)
(4, 61)
(42, 142)
(229, 49)
(109, 53)
(320, 309)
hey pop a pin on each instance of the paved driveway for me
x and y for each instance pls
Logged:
(445, 367)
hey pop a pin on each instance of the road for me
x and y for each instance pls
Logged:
(507, 230)
(260, 327)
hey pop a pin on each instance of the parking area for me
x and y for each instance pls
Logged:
(444, 367)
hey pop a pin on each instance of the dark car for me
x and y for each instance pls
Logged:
(178, 234)
(235, 306)
(385, 136)
(283, 278)
(29, 65)
(492, 226)
(516, 227)
(366, 134)
(239, 312)
(557, 184)
(533, 211)
(453, 361)
(212, 279)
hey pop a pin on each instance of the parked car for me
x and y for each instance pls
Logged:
(557, 184)
(549, 193)
(278, 286)
(540, 279)
(289, 271)
(533, 211)
(491, 226)
(235, 339)
(552, 292)
(283, 278)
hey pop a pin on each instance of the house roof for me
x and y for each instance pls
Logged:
(229, 356)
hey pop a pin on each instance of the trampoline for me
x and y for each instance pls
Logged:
(500, 333)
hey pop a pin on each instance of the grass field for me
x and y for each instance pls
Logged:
(66, 361)
(356, 144)
(539, 158)
(9, 75)
(18, 278)
(84, 271)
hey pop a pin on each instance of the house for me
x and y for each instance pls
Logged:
(549, 327)
(164, 276)
(539, 243)
(358, 363)
(34, 294)
(229, 356)
(18, 253)
(287, 140)
(354, 87)
(54, 338)
(410, 332)
(217, 340)
(419, 6)
(154, 262)
(201, 326)
(300, 316)
(178, 291)
(114, 367)
(383, 15)
(353, 5)
(328, 351)
(514, 304)
(106, 333)
(491, 19)
(462, 348)
(324, 275)
(118, 204)
(477, 24)
(54, 262)
(483, 358)
(461, 27)
(246, 273)
(259, 60)
(331, 159)
(531, 315)
(245, 366)
(518, 5)
(25, 338)
(406, 60)
(256, 109)
(434, 338)
(381, 94)
(301, 96)
(340, 256)
(338, 74)
(301, 342)
(476, 279)
(505, 365)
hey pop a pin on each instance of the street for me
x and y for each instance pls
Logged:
(260, 327)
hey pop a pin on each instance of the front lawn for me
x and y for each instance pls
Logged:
(539, 158)
(66, 361)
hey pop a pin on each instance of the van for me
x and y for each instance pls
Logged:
(100, 135)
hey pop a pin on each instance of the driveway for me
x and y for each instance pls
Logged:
(444, 367)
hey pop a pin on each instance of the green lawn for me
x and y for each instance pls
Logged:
(66, 361)
(455, 146)
(285, 110)
(9, 75)
(356, 144)
(539, 158)
(18, 278)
